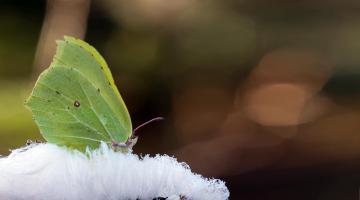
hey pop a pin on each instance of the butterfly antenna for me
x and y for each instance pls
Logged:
(146, 123)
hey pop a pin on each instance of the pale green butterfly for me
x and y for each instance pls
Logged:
(76, 103)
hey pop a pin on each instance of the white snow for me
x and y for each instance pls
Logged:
(50, 172)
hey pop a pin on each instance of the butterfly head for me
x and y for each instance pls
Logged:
(131, 141)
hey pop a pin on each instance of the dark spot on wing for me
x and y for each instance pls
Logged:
(101, 68)
(68, 108)
(98, 89)
(48, 100)
(77, 103)
(109, 83)
(57, 92)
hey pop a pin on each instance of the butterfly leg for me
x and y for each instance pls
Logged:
(30, 142)
(117, 145)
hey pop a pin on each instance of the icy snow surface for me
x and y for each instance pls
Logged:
(49, 172)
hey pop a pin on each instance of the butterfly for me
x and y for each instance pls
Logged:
(76, 103)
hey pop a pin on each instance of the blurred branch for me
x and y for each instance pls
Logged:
(63, 17)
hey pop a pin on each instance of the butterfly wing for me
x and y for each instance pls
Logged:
(75, 101)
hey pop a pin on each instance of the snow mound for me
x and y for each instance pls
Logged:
(50, 172)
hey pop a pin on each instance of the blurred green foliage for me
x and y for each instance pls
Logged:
(15, 120)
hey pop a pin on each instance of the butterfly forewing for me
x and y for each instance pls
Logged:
(75, 101)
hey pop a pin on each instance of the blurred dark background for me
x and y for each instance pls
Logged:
(263, 94)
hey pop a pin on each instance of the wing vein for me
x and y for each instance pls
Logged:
(107, 103)
(69, 99)
(96, 114)
(78, 137)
